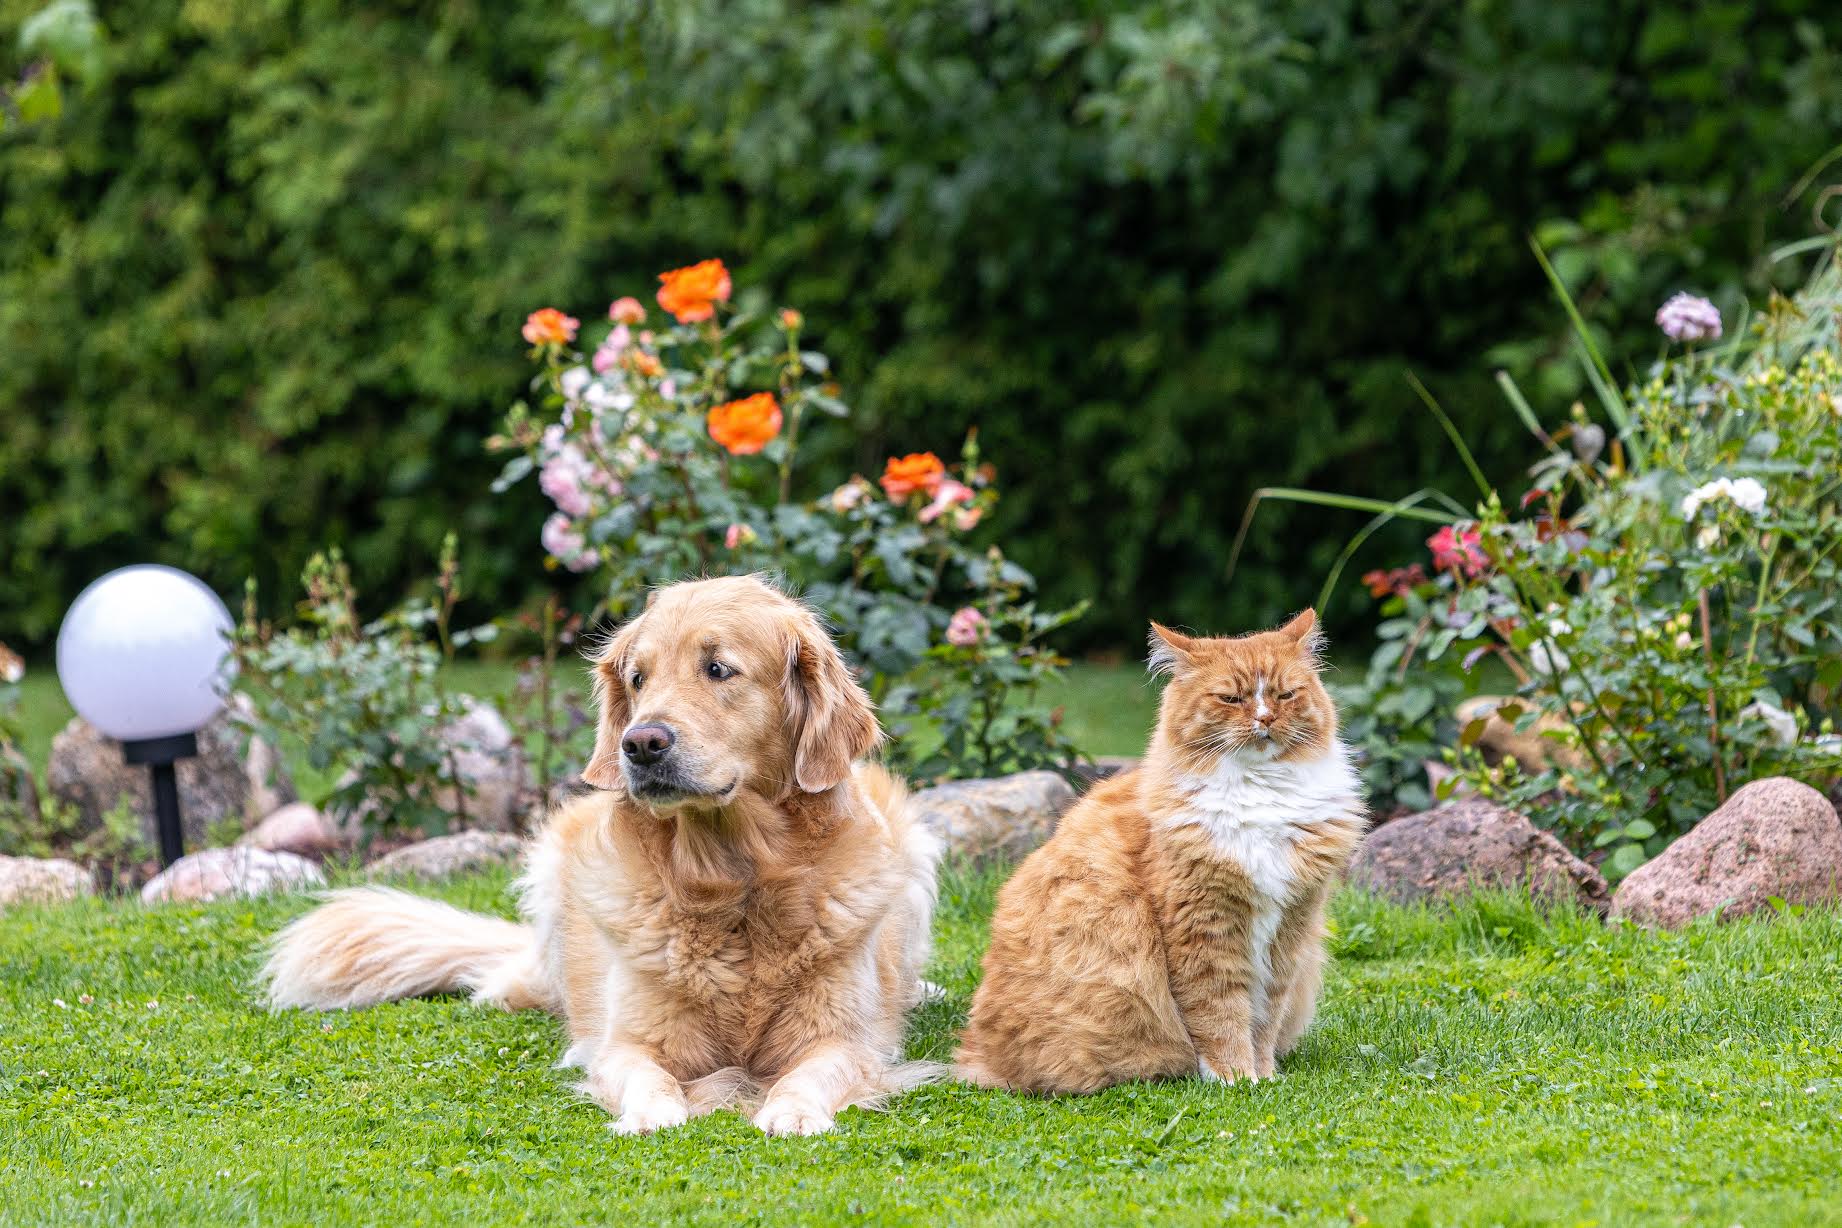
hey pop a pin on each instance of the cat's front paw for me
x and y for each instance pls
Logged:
(1227, 1074)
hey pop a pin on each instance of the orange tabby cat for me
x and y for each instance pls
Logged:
(1174, 924)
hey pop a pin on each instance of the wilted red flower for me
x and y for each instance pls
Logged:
(904, 475)
(1458, 550)
(745, 426)
(1398, 580)
(692, 293)
(548, 326)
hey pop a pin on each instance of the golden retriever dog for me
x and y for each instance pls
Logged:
(742, 911)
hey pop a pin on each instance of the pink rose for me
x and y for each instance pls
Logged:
(607, 354)
(565, 543)
(563, 478)
(966, 627)
(739, 535)
(850, 495)
(626, 310)
(1458, 550)
(967, 517)
(948, 494)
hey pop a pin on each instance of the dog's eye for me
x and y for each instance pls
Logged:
(718, 671)
(1285, 695)
(637, 679)
(1229, 699)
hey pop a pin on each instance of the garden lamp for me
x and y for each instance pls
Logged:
(140, 657)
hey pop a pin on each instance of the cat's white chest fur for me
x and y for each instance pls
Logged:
(1254, 810)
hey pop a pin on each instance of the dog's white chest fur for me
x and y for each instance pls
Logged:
(1254, 811)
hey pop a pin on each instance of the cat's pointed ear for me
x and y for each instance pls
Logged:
(1170, 650)
(1303, 631)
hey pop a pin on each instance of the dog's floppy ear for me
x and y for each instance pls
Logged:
(836, 725)
(616, 713)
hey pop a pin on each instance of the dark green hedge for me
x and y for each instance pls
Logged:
(260, 283)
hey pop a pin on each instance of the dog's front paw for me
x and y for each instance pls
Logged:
(789, 1116)
(650, 1115)
(1228, 1074)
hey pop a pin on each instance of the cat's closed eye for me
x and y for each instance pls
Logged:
(1283, 695)
(1229, 699)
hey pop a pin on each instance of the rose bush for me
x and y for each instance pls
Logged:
(1667, 605)
(670, 448)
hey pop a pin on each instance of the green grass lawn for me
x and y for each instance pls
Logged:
(1479, 1066)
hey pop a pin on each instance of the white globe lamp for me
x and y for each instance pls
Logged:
(141, 657)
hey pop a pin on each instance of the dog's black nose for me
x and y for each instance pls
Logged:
(646, 744)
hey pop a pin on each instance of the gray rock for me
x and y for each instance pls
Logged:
(1105, 767)
(295, 828)
(1002, 818)
(41, 880)
(499, 795)
(216, 873)
(1775, 837)
(1468, 844)
(443, 856)
(223, 782)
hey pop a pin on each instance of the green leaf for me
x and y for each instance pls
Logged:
(1624, 859)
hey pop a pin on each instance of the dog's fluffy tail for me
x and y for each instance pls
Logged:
(373, 944)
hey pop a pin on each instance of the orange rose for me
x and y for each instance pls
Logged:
(548, 326)
(745, 426)
(692, 293)
(646, 364)
(904, 475)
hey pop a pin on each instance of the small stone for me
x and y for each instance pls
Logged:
(295, 828)
(444, 856)
(42, 880)
(1773, 838)
(1470, 844)
(1001, 818)
(213, 874)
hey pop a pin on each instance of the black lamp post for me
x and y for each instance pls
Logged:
(162, 756)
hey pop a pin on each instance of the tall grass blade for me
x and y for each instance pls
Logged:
(1598, 373)
(1367, 531)
(1525, 411)
(1348, 503)
(1451, 431)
